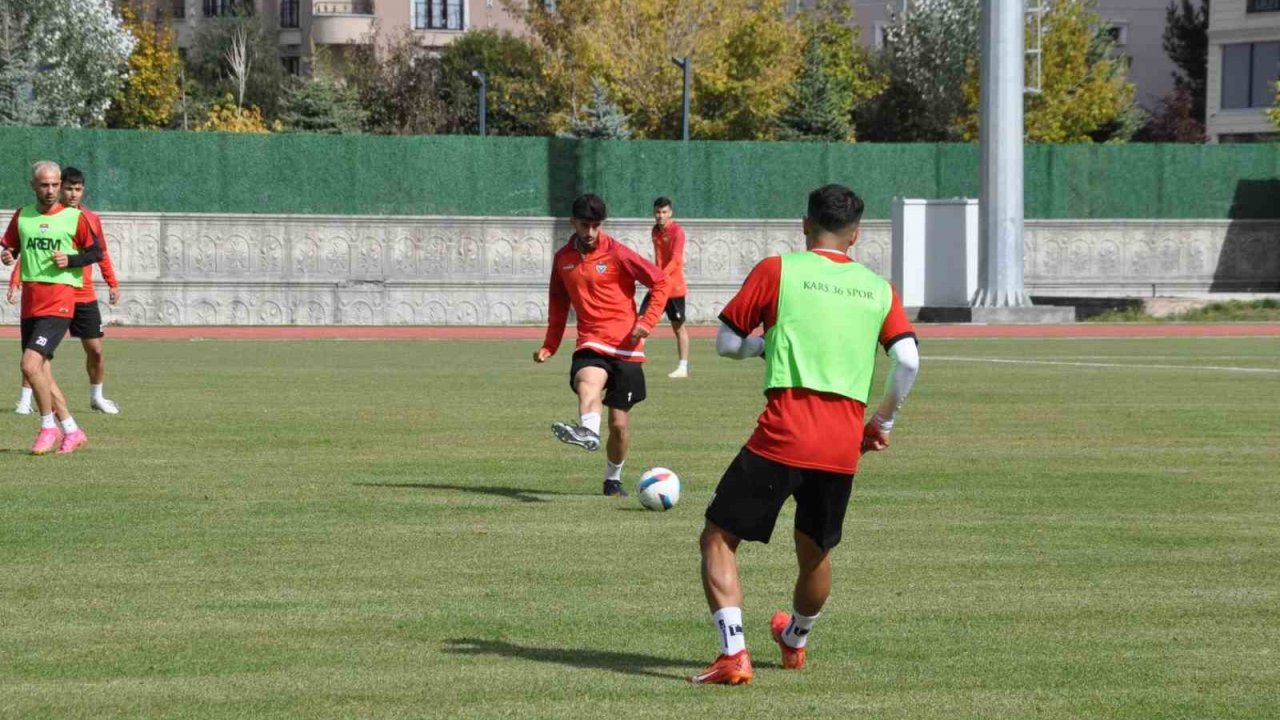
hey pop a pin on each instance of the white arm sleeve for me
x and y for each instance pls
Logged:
(731, 345)
(905, 357)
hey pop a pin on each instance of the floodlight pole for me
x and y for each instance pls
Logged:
(482, 99)
(685, 64)
(1000, 120)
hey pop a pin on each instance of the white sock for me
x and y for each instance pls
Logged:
(797, 632)
(47, 422)
(682, 365)
(591, 421)
(729, 624)
(611, 471)
(26, 396)
(69, 425)
(95, 391)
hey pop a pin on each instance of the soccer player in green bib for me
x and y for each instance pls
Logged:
(55, 242)
(823, 315)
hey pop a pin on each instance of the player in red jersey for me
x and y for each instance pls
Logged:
(596, 275)
(87, 323)
(822, 314)
(668, 252)
(54, 242)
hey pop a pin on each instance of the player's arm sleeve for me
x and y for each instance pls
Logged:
(10, 238)
(732, 345)
(88, 242)
(677, 252)
(899, 340)
(104, 265)
(904, 357)
(748, 309)
(15, 278)
(557, 312)
(652, 277)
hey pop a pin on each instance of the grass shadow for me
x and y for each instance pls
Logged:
(510, 493)
(620, 662)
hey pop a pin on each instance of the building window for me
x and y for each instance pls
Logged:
(217, 8)
(179, 9)
(1261, 6)
(292, 64)
(1118, 32)
(437, 14)
(1249, 74)
(288, 13)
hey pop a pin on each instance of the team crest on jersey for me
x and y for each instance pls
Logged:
(601, 267)
(44, 227)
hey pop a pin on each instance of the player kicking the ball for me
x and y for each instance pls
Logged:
(822, 315)
(86, 323)
(596, 276)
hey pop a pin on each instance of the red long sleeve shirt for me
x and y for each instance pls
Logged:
(86, 293)
(49, 299)
(600, 286)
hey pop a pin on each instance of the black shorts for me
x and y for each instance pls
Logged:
(87, 322)
(753, 489)
(675, 308)
(625, 386)
(42, 334)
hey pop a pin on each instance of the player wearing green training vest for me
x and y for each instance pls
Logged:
(55, 242)
(823, 316)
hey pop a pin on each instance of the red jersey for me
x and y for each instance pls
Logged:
(86, 293)
(668, 253)
(801, 427)
(601, 288)
(49, 299)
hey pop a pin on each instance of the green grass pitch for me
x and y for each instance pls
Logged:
(388, 530)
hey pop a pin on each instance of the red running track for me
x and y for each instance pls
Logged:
(522, 332)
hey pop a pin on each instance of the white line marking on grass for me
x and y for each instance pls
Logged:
(1144, 366)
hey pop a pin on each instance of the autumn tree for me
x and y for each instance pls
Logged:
(1186, 42)
(518, 103)
(398, 83)
(148, 97)
(248, 37)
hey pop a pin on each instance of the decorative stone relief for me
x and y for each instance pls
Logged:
(312, 270)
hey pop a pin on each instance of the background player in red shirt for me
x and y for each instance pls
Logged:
(53, 240)
(668, 253)
(86, 323)
(822, 315)
(596, 276)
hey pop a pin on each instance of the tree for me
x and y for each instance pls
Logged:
(238, 53)
(518, 103)
(148, 97)
(63, 60)
(835, 76)
(928, 55)
(322, 105)
(601, 119)
(742, 92)
(1273, 112)
(17, 66)
(1174, 120)
(230, 116)
(1084, 96)
(397, 81)
(1186, 42)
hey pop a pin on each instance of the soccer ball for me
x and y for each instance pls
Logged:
(658, 489)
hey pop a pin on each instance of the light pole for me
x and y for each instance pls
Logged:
(686, 64)
(482, 97)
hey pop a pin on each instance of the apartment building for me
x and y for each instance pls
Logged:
(307, 25)
(1244, 65)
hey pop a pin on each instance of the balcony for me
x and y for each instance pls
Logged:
(342, 22)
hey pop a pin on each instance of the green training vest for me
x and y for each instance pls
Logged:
(829, 320)
(40, 236)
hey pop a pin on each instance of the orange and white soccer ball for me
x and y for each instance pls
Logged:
(658, 489)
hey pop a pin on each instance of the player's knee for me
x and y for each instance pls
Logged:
(32, 365)
(715, 538)
(94, 355)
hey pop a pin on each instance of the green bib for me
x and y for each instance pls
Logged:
(829, 320)
(40, 236)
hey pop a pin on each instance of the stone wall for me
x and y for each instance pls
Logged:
(179, 269)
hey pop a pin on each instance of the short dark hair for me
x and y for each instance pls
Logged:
(72, 175)
(589, 207)
(835, 208)
(662, 202)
